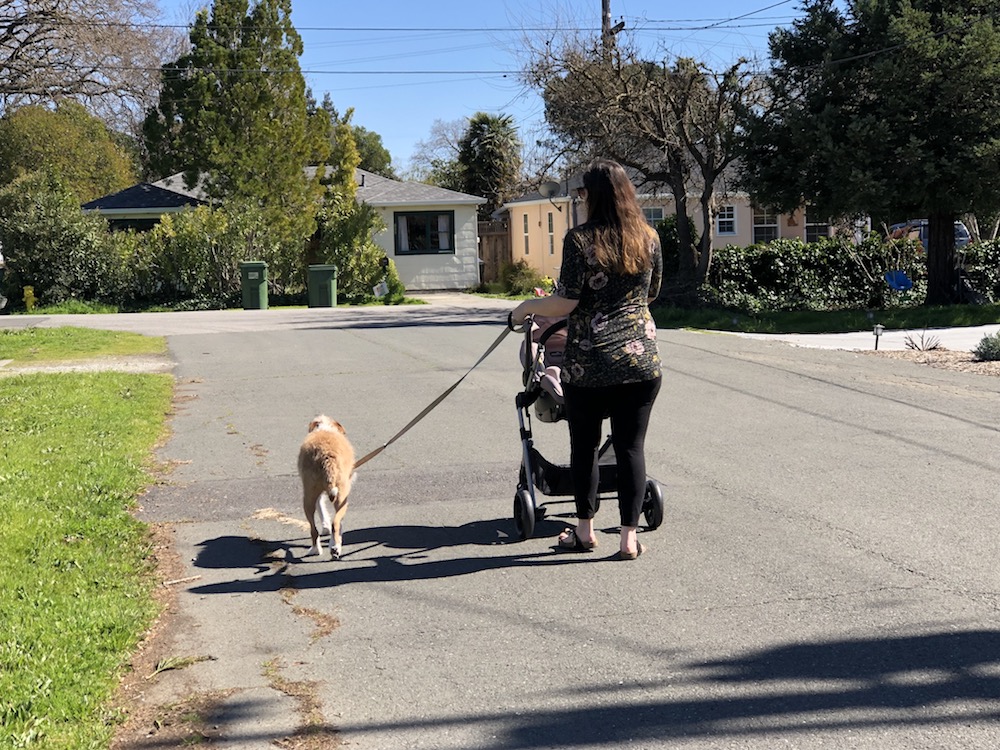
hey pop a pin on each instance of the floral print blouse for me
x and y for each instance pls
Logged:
(611, 336)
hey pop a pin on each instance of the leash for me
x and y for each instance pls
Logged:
(507, 329)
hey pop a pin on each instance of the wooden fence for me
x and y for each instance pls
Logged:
(494, 249)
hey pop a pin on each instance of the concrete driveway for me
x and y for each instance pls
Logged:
(825, 576)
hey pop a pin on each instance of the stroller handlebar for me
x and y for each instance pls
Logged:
(517, 328)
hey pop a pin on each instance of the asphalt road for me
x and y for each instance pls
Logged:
(825, 577)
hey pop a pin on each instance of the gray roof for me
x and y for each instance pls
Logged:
(376, 190)
(171, 192)
(143, 195)
(567, 189)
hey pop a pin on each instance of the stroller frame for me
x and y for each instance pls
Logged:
(547, 478)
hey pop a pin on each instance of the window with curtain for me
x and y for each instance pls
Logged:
(552, 235)
(526, 243)
(424, 232)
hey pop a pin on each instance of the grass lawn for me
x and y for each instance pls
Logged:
(75, 574)
(25, 345)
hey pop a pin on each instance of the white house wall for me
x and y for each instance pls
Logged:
(435, 272)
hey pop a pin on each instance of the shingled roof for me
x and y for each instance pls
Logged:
(171, 194)
(376, 190)
(143, 196)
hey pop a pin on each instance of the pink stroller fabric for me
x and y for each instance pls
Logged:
(546, 369)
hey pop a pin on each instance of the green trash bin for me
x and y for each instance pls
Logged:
(322, 286)
(253, 280)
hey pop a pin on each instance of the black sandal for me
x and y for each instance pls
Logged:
(573, 542)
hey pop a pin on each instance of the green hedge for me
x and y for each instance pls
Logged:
(831, 274)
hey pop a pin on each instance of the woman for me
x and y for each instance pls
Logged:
(611, 271)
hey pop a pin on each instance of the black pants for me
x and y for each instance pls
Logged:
(628, 406)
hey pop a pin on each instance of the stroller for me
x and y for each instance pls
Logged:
(541, 356)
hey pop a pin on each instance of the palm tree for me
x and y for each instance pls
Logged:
(490, 158)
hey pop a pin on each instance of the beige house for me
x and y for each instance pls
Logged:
(537, 227)
(538, 224)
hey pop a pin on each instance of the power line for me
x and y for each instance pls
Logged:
(657, 25)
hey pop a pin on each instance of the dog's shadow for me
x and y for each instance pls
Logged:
(233, 552)
(398, 553)
(412, 541)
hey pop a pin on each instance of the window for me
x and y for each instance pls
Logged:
(552, 236)
(424, 232)
(765, 225)
(526, 234)
(816, 228)
(654, 215)
(725, 220)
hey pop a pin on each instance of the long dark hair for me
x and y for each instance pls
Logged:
(622, 236)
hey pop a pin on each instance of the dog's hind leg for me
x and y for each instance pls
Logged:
(323, 514)
(337, 534)
(312, 504)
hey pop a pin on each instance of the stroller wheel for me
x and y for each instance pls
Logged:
(524, 514)
(652, 504)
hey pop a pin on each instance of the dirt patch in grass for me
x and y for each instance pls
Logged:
(146, 723)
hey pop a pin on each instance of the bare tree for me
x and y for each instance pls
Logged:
(674, 126)
(438, 153)
(105, 54)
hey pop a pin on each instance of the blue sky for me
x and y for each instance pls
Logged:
(403, 64)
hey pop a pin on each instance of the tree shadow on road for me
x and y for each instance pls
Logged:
(942, 685)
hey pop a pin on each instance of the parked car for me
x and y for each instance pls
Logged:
(917, 229)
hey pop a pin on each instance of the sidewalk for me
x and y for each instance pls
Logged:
(963, 339)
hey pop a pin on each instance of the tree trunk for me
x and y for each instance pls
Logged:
(941, 274)
(684, 291)
(707, 235)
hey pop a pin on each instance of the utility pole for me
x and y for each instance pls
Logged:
(607, 30)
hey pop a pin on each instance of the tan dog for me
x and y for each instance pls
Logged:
(326, 466)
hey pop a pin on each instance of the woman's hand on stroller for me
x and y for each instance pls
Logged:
(516, 326)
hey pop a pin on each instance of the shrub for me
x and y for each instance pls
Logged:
(51, 245)
(346, 228)
(519, 278)
(988, 348)
(981, 262)
(397, 291)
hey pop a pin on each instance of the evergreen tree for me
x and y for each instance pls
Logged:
(886, 108)
(233, 115)
(344, 158)
(374, 156)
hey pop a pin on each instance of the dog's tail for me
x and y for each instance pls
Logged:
(324, 511)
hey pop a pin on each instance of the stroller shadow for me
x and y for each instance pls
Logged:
(406, 556)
